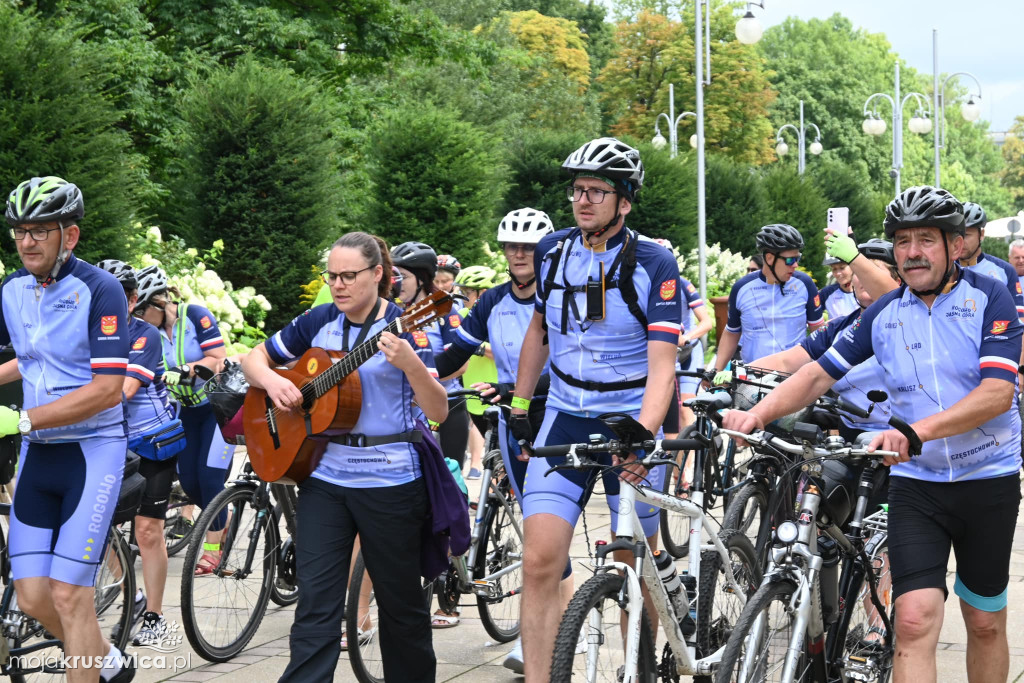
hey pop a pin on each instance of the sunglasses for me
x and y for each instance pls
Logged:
(788, 260)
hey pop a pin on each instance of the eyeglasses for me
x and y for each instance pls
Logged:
(38, 234)
(348, 277)
(594, 195)
(788, 260)
(141, 309)
(511, 248)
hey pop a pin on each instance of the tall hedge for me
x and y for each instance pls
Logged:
(260, 173)
(435, 179)
(535, 173)
(666, 206)
(797, 200)
(57, 120)
(737, 204)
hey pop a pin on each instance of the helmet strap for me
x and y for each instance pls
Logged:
(62, 258)
(782, 285)
(518, 284)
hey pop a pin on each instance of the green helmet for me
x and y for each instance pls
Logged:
(41, 200)
(477, 277)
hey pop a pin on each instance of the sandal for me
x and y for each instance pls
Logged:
(442, 620)
(210, 561)
(364, 638)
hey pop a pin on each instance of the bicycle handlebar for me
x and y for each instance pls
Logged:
(759, 438)
(577, 455)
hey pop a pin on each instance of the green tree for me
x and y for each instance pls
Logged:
(1012, 174)
(798, 201)
(845, 186)
(535, 174)
(58, 120)
(436, 180)
(260, 172)
(737, 205)
(666, 206)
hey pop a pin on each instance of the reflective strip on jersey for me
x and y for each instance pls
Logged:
(194, 333)
(926, 354)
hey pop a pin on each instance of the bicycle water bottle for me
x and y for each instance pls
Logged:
(670, 579)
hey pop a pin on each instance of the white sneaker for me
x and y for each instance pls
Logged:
(581, 642)
(514, 659)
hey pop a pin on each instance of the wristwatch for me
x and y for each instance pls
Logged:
(24, 423)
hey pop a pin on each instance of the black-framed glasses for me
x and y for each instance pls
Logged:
(38, 234)
(348, 277)
(789, 260)
(513, 247)
(594, 195)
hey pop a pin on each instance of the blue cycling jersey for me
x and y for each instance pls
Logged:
(441, 335)
(998, 269)
(500, 318)
(928, 355)
(63, 334)
(855, 385)
(200, 334)
(149, 406)
(838, 303)
(613, 349)
(387, 398)
(770, 318)
(693, 302)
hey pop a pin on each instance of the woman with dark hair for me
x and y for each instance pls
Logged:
(376, 491)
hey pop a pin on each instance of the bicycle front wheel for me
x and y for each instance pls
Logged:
(597, 610)
(756, 650)
(222, 607)
(748, 509)
(501, 548)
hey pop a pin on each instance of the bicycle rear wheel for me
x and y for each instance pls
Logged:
(748, 509)
(867, 645)
(285, 589)
(597, 610)
(177, 527)
(756, 650)
(500, 548)
(222, 610)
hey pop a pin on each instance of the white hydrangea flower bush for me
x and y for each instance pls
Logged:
(240, 313)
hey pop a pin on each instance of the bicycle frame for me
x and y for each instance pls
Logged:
(629, 536)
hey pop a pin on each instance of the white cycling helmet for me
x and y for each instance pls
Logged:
(609, 158)
(524, 226)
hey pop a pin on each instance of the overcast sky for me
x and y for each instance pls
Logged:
(984, 37)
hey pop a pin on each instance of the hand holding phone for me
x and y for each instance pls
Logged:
(839, 220)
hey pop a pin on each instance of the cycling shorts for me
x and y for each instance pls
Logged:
(564, 493)
(159, 476)
(63, 504)
(691, 385)
(976, 517)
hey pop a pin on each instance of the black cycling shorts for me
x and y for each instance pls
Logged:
(976, 518)
(159, 479)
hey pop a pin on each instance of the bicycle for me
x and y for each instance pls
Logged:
(697, 613)
(222, 610)
(177, 527)
(797, 626)
(490, 569)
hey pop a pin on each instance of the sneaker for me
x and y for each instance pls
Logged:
(125, 674)
(138, 609)
(154, 628)
(514, 659)
(474, 473)
(181, 528)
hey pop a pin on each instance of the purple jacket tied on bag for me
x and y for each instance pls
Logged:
(447, 530)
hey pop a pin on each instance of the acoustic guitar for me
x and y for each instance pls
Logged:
(286, 446)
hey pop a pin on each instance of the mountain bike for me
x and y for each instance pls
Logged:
(807, 622)
(491, 570)
(697, 610)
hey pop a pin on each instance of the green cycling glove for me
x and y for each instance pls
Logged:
(841, 247)
(174, 376)
(9, 421)
(723, 377)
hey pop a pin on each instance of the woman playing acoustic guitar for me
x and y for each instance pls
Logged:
(376, 491)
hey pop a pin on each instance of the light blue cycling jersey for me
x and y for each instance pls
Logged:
(934, 357)
(201, 334)
(63, 334)
(998, 269)
(500, 318)
(770, 318)
(693, 302)
(149, 407)
(387, 398)
(441, 335)
(854, 385)
(838, 303)
(613, 349)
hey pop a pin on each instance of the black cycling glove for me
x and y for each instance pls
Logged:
(522, 431)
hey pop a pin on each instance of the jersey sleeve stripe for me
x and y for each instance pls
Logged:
(697, 304)
(433, 372)
(212, 343)
(141, 370)
(664, 326)
(114, 363)
(467, 337)
(276, 345)
(837, 360)
(999, 363)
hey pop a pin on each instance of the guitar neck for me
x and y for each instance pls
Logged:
(352, 360)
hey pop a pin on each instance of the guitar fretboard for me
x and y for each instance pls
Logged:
(338, 371)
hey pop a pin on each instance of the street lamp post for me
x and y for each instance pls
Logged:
(673, 125)
(781, 148)
(970, 109)
(748, 32)
(875, 125)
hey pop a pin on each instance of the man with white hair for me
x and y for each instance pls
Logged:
(1017, 258)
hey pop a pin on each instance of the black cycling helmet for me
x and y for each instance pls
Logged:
(415, 256)
(924, 206)
(449, 263)
(777, 237)
(974, 216)
(877, 250)
(608, 158)
(124, 273)
(46, 199)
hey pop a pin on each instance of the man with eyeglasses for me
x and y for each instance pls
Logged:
(609, 305)
(770, 310)
(68, 323)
